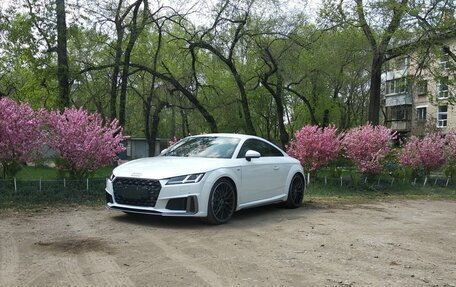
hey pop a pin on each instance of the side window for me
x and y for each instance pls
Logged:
(262, 147)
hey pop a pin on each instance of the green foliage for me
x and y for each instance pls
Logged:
(34, 193)
(10, 169)
(326, 68)
(450, 170)
(50, 173)
(351, 195)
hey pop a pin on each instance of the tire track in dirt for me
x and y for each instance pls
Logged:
(229, 260)
(73, 272)
(9, 260)
(56, 272)
(103, 269)
(207, 275)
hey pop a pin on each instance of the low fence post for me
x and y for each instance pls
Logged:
(15, 185)
(87, 184)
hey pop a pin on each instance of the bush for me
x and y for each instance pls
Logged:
(450, 153)
(315, 147)
(21, 135)
(368, 146)
(82, 141)
(427, 154)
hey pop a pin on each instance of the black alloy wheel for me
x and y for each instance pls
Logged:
(222, 202)
(296, 192)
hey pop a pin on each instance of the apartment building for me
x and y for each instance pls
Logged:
(419, 95)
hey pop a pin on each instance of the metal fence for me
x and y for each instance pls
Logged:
(51, 191)
(382, 181)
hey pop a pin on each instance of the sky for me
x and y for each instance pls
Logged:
(312, 5)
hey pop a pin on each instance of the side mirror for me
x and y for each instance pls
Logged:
(251, 154)
(164, 151)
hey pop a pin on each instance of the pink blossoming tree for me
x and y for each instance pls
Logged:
(450, 147)
(20, 135)
(172, 141)
(367, 146)
(427, 153)
(450, 153)
(83, 143)
(315, 147)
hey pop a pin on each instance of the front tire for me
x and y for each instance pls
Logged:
(222, 202)
(296, 191)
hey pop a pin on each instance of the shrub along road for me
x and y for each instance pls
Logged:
(402, 243)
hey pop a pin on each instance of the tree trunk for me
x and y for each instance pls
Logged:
(249, 129)
(147, 107)
(135, 31)
(375, 90)
(62, 56)
(152, 128)
(277, 96)
(116, 71)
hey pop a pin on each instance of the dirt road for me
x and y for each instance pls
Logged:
(407, 243)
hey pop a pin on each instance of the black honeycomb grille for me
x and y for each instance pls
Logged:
(136, 191)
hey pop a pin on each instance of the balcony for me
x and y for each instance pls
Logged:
(398, 100)
(399, 125)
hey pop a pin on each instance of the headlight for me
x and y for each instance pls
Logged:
(190, 178)
(112, 177)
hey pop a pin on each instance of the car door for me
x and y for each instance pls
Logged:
(264, 177)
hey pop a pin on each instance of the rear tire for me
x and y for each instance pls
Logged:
(222, 202)
(296, 191)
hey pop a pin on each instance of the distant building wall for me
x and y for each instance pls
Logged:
(415, 101)
(137, 147)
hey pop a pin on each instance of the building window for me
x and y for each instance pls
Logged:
(396, 86)
(421, 114)
(421, 88)
(443, 88)
(399, 113)
(402, 63)
(442, 116)
(444, 61)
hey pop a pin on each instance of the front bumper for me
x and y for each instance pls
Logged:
(173, 200)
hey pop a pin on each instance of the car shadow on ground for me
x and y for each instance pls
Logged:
(262, 215)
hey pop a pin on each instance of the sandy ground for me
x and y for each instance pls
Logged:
(407, 243)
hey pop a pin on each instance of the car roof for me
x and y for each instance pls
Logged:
(231, 135)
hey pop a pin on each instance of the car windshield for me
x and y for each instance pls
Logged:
(210, 146)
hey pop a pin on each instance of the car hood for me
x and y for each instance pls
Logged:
(161, 167)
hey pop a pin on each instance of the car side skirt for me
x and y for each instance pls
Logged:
(272, 200)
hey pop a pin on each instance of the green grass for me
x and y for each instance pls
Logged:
(42, 186)
(45, 172)
(363, 194)
(41, 172)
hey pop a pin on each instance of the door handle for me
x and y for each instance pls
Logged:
(276, 167)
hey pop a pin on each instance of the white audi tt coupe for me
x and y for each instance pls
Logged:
(211, 176)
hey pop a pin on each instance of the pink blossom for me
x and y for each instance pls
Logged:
(172, 141)
(450, 147)
(367, 146)
(315, 147)
(82, 141)
(20, 133)
(427, 153)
